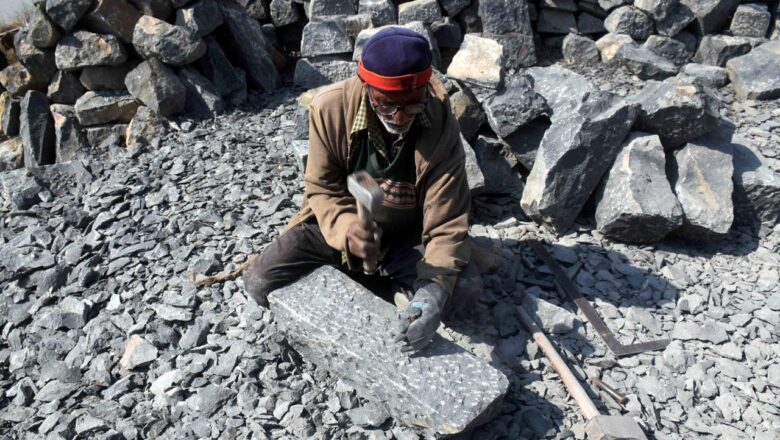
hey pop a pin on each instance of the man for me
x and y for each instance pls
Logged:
(394, 121)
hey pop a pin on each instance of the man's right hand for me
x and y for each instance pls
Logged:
(364, 242)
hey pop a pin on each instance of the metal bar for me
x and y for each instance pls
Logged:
(590, 313)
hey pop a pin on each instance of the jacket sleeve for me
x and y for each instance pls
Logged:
(325, 181)
(446, 206)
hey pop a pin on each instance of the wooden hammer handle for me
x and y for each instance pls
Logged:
(366, 219)
(573, 385)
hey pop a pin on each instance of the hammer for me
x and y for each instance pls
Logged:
(368, 196)
(599, 426)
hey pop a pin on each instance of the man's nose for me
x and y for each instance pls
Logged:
(401, 118)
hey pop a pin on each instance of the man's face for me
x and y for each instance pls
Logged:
(406, 106)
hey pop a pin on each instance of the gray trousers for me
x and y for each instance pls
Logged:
(303, 249)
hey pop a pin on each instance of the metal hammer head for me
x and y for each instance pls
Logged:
(604, 427)
(365, 190)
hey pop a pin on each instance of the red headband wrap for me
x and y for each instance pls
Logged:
(401, 83)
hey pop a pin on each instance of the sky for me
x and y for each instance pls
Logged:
(9, 8)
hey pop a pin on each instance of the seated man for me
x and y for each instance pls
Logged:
(393, 121)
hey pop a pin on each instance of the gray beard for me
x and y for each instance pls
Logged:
(392, 130)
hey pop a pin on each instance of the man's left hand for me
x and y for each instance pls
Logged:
(417, 324)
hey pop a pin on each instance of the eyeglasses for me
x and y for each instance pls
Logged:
(390, 110)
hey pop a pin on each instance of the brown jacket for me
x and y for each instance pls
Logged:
(441, 186)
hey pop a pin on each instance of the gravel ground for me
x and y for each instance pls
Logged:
(110, 262)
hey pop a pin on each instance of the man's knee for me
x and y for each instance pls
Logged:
(256, 283)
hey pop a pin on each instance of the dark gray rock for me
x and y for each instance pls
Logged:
(608, 5)
(324, 8)
(311, 74)
(195, 334)
(70, 141)
(9, 115)
(474, 175)
(468, 111)
(716, 50)
(504, 16)
(96, 108)
(710, 76)
(370, 415)
(37, 130)
(325, 38)
(426, 11)
(631, 21)
(174, 45)
(354, 24)
(469, 18)
(84, 49)
(588, 24)
(644, 63)
(216, 67)
(574, 154)
(43, 32)
(677, 110)
(580, 50)
(669, 48)
(284, 13)
(66, 13)
(39, 62)
(65, 89)
(260, 10)
(17, 80)
(11, 154)
(203, 98)
(97, 135)
(250, 46)
(518, 49)
(610, 44)
(145, 128)
(552, 21)
(751, 20)
(497, 164)
(479, 61)
(559, 85)
(757, 74)
(513, 106)
(115, 17)
(21, 189)
(447, 33)
(100, 78)
(635, 202)
(525, 142)
(383, 12)
(161, 9)
(360, 353)
(157, 87)
(756, 184)
(202, 18)
(701, 174)
(209, 399)
(711, 15)
(453, 7)
(670, 16)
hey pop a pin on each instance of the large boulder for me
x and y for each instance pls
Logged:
(756, 184)
(202, 18)
(701, 174)
(203, 98)
(39, 62)
(644, 63)
(66, 13)
(716, 50)
(451, 7)
(157, 86)
(43, 32)
(285, 13)
(174, 45)
(574, 154)
(96, 108)
(100, 78)
(326, 8)
(559, 85)
(580, 50)
(669, 48)
(504, 16)
(670, 16)
(37, 130)
(250, 47)
(757, 74)
(325, 38)
(17, 80)
(426, 11)
(115, 17)
(216, 67)
(677, 110)
(711, 15)
(65, 88)
(85, 49)
(610, 44)
(588, 24)
(513, 106)
(751, 20)
(145, 129)
(468, 111)
(479, 61)
(498, 166)
(518, 48)
(9, 115)
(552, 21)
(630, 21)
(311, 74)
(11, 154)
(635, 202)
(710, 76)
(70, 141)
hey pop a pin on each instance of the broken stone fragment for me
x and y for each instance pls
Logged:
(716, 50)
(426, 11)
(610, 44)
(65, 88)
(95, 108)
(552, 21)
(356, 348)
(250, 46)
(468, 111)
(101, 78)
(9, 115)
(497, 164)
(328, 8)
(559, 86)
(115, 17)
(157, 86)
(37, 130)
(580, 50)
(311, 74)
(84, 49)
(17, 80)
(171, 44)
(216, 67)
(43, 32)
(757, 74)
(710, 76)
(138, 352)
(514, 106)
(552, 318)
(751, 20)
(630, 21)
(574, 154)
(711, 15)
(203, 98)
(677, 110)
(66, 13)
(325, 38)
(474, 175)
(11, 154)
(70, 141)
(161, 9)
(669, 48)
(284, 13)
(201, 18)
(479, 61)
(635, 202)
(39, 62)
(644, 63)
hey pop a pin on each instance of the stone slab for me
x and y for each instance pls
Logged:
(442, 388)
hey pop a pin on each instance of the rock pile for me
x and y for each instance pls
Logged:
(79, 71)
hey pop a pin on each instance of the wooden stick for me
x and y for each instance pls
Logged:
(573, 386)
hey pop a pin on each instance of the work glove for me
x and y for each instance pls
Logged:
(418, 323)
